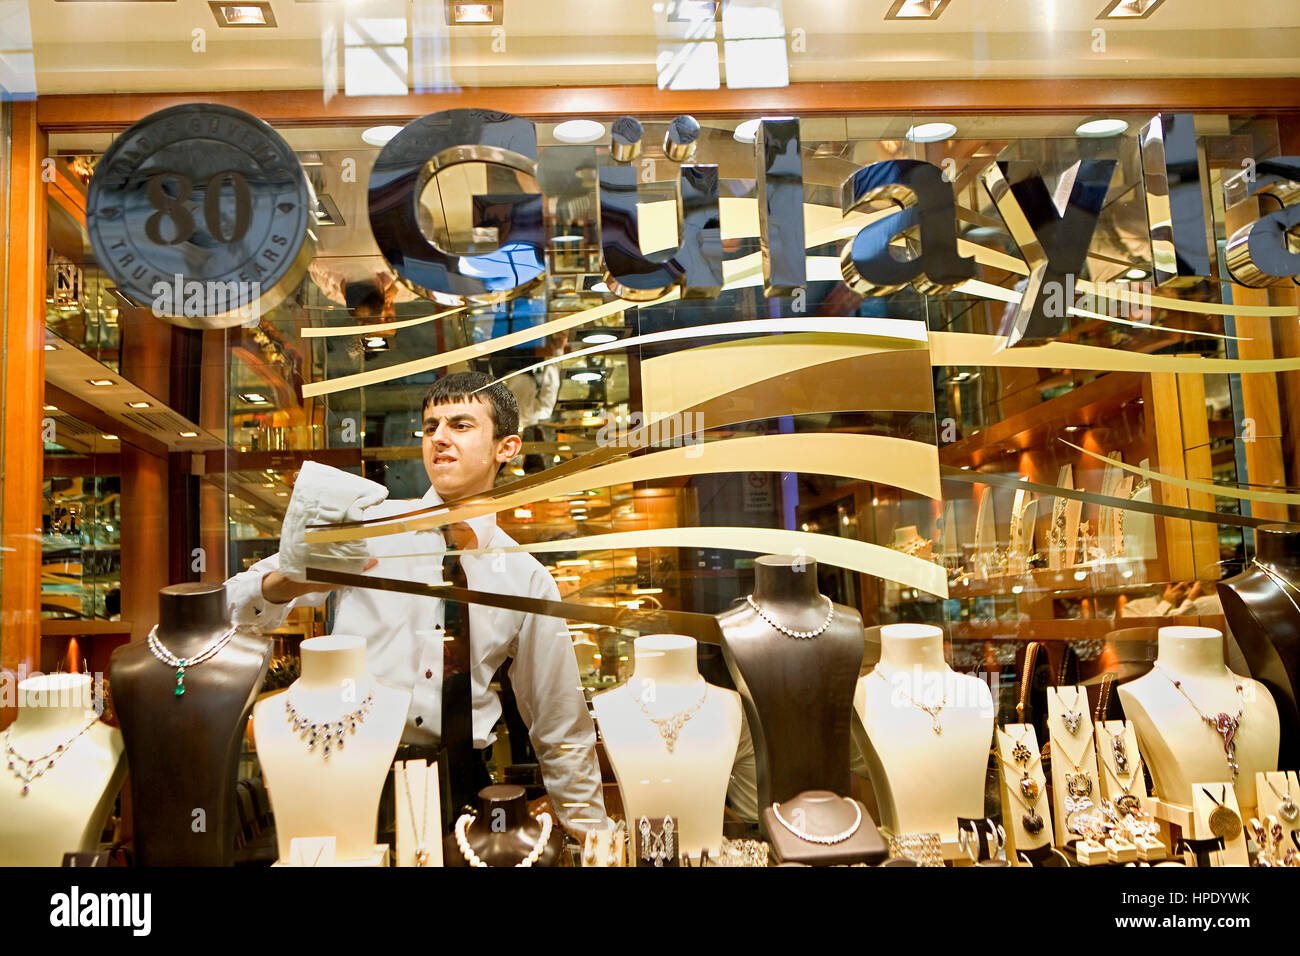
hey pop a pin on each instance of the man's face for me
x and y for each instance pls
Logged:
(460, 455)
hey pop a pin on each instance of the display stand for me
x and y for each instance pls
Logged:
(320, 851)
(315, 791)
(419, 837)
(183, 748)
(927, 769)
(1016, 806)
(1171, 719)
(63, 807)
(672, 739)
(1075, 787)
(504, 834)
(1279, 797)
(1124, 784)
(1205, 796)
(831, 819)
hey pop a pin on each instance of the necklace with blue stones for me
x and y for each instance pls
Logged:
(159, 650)
(329, 734)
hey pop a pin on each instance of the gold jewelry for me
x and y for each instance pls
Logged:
(421, 832)
(1224, 821)
(1127, 802)
(1079, 783)
(1030, 820)
(1031, 654)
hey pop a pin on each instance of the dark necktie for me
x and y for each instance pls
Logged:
(457, 693)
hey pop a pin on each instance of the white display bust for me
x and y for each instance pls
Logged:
(64, 809)
(923, 780)
(315, 796)
(1179, 748)
(689, 782)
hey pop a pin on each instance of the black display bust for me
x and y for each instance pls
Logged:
(797, 692)
(503, 832)
(182, 750)
(1262, 606)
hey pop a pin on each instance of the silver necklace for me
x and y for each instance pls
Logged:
(931, 709)
(1118, 748)
(1223, 724)
(422, 831)
(790, 632)
(1079, 783)
(817, 838)
(1287, 809)
(160, 651)
(28, 770)
(329, 733)
(1072, 719)
(1127, 802)
(472, 858)
(671, 726)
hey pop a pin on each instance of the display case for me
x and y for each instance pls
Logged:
(837, 471)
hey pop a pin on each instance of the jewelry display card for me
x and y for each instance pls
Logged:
(656, 842)
(1026, 811)
(1075, 790)
(1073, 509)
(1215, 813)
(1279, 796)
(1123, 783)
(419, 813)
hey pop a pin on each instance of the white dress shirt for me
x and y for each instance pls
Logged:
(404, 647)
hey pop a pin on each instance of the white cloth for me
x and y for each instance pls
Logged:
(404, 648)
(325, 495)
(535, 394)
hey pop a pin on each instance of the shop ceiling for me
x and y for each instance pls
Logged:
(89, 46)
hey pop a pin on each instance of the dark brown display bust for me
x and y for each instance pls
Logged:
(1264, 617)
(182, 751)
(503, 832)
(798, 693)
(821, 814)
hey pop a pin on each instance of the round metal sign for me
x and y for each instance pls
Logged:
(202, 214)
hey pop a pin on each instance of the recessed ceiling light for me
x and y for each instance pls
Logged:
(251, 13)
(138, 405)
(254, 398)
(100, 382)
(915, 9)
(579, 131)
(189, 434)
(585, 376)
(474, 14)
(599, 338)
(379, 135)
(746, 132)
(1101, 127)
(1135, 273)
(51, 348)
(376, 343)
(1129, 9)
(108, 437)
(523, 513)
(931, 132)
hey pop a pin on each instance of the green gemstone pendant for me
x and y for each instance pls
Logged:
(180, 681)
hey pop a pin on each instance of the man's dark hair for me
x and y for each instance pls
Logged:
(364, 297)
(465, 387)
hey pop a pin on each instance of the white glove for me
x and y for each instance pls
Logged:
(325, 495)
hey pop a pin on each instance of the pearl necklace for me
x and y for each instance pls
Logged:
(28, 770)
(160, 651)
(815, 838)
(332, 731)
(472, 858)
(789, 632)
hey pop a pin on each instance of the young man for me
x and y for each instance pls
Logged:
(468, 435)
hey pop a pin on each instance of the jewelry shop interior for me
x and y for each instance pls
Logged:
(663, 434)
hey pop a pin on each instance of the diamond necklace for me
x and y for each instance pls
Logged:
(839, 837)
(1079, 783)
(1222, 724)
(472, 858)
(670, 726)
(931, 709)
(160, 651)
(1072, 718)
(422, 831)
(28, 770)
(332, 731)
(790, 632)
